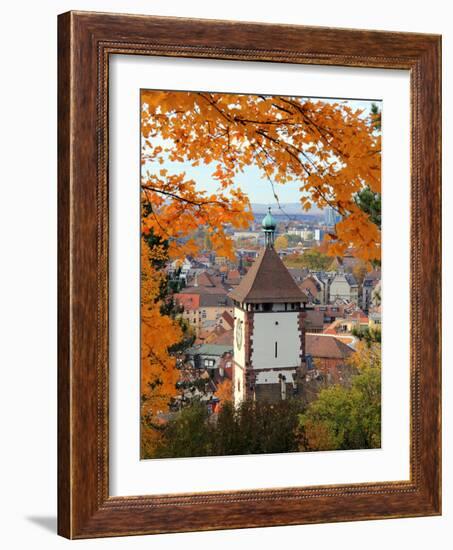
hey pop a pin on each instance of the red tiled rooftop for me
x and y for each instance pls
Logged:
(225, 339)
(228, 318)
(327, 347)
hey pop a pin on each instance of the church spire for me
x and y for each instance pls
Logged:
(269, 225)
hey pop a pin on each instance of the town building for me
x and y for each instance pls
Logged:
(331, 312)
(356, 319)
(318, 234)
(330, 357)
(370, 281)
(314, 321)
(375, 318)
(244, 235)
(179, 267)
(226, 321)
(344, 287)
(324, 278)
(331, 217)
(269, 332)
(376, 295)
(314, 288)
(202, 306)
(298, 273)
(209, 357)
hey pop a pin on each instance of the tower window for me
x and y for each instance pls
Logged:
(276, 349)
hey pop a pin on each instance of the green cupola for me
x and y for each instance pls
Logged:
(269, 225)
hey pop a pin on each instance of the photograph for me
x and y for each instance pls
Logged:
(260, 266)
(224, 325)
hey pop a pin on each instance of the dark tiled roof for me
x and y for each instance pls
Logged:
(224, 339)
(233, 274)
(297, 273)
(204, 290)
(322, 276)
(310, 285)
(268, 280)
(207, 295)
(216, 350)
(211, 300)
(204, 279)
(188, 301)
(374, 275)
(327, 347)
(228, 318)
(314, 320)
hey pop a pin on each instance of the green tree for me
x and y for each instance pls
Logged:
(226, 437)
(312, 259)
(293, 240)
(252, 428)
(347, 418)
(269, 427)
(326, 422)
(375, 117)
(281, 242)
(369, 335)
(168, 306)
(370, 202)
(188, 434)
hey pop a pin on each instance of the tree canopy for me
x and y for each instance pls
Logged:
(347, 417)
(252, 428)
(330, 150)
(312, 259)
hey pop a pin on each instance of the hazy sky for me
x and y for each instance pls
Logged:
(258, 189)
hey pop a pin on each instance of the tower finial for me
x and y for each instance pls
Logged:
(269, 225)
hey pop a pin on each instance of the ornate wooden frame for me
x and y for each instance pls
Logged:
(85, 41)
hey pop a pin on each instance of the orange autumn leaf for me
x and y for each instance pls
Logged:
(158, 333)
(224, 391)
(331, 149)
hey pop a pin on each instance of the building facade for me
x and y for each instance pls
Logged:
(344, 287)
(269, 331)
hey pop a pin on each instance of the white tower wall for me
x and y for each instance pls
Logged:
(266, 333)
(239, 357)
(239, 351)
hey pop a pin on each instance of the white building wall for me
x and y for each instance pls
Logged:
(238, 385)
(266, 333)
(239, 352)
(340, 288)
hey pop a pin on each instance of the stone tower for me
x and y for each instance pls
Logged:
(269, 333)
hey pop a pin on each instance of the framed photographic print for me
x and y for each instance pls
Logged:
(249, 275)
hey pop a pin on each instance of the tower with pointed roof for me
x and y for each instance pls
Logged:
(269, 333)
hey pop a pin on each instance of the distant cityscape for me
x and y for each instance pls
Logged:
(343, 300)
